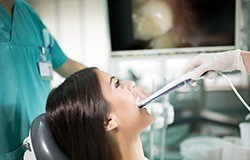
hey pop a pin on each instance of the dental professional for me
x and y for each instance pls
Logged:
(25, 73)
(28, 54)
(221, 61)
(94, 116)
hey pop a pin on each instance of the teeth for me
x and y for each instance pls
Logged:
(152, 19)
(138, 101)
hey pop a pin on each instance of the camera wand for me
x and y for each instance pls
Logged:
(168, 88)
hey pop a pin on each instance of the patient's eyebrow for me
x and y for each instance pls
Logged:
(113, 77)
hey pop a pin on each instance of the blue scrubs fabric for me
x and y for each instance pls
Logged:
(23, 93)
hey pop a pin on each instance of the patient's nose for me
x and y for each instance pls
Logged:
(128, 84)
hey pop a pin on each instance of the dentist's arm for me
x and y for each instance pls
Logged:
(69, 67)
(221, 61)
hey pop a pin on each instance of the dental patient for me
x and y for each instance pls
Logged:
(94, 116)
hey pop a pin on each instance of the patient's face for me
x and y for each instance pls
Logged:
(122, 100)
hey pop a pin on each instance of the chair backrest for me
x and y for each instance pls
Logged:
(44, 144)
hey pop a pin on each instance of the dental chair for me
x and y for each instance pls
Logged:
(41, 144)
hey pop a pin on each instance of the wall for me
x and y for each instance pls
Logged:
(80, 27)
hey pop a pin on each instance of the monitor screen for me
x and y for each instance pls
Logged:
(158, 27)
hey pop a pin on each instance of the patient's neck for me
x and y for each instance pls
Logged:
(127, 147)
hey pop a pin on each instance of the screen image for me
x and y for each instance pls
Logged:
(137, 25)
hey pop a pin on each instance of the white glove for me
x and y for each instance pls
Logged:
(221, 61)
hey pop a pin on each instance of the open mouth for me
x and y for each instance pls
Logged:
(136, 97)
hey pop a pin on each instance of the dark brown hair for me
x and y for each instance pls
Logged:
(76, 111)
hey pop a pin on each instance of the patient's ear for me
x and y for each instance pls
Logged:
(110, 123)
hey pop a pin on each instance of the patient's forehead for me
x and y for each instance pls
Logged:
(103, 76)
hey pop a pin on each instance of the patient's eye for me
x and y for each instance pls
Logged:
(117, 83)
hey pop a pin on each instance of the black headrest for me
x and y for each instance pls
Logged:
(44, 144)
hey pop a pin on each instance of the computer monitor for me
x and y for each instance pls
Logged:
(172, 27)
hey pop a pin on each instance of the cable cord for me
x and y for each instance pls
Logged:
(237, 94)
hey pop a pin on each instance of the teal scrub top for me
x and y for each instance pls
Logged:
(23, 93)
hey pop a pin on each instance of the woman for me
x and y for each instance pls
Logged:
(95, 116)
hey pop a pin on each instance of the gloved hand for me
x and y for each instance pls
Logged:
(221, 61)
